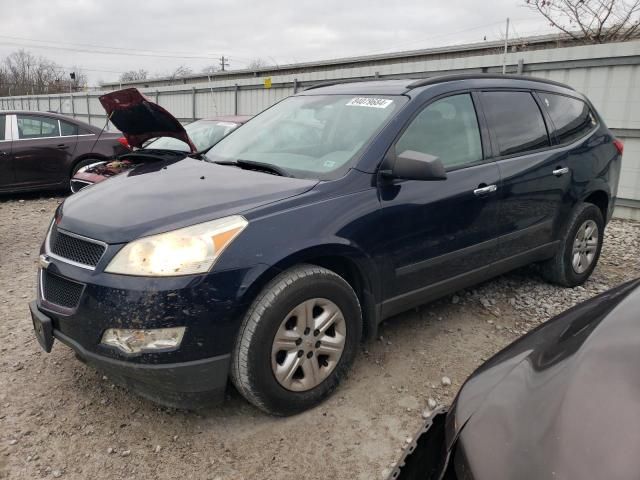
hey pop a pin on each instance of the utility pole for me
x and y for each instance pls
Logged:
(504, 57)
(224, 62)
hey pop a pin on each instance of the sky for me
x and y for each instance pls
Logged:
(106, 38)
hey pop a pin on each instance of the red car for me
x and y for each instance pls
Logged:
(43, 150)
(153, 133)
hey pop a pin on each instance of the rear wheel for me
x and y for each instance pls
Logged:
(580, 248)
(297, 340)
(83, 163)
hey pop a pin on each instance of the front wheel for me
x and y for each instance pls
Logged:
(579, 249)
(297, 340)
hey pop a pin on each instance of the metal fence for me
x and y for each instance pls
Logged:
(608, 74)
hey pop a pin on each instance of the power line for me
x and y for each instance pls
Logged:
(85, 50)
(89, 48)
(128, 49)
(413, 42)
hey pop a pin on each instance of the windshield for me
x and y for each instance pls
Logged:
(309, 136)
(203, 134)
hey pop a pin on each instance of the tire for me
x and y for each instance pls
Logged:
(254, 362)
(560, 269)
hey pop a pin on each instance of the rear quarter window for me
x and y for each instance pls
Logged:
(515, 121)
(68, 128)
(571, 117)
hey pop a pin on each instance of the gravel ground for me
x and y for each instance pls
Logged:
(61, 419)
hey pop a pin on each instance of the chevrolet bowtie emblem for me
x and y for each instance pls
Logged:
(45, 261)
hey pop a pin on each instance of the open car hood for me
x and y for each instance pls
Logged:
(140, 120)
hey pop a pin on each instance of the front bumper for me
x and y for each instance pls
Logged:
(209, 306)
(180, 385)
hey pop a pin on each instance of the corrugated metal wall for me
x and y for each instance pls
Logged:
(608, 74)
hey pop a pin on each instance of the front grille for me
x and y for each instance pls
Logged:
(75, 249)
(60, 291)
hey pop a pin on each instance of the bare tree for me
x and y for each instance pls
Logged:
(134, 75)
(23, 73)
(210, 69)
(180, 72)
(592, 21)
(257, 64)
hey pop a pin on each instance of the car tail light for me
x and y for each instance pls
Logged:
(619, 145)
(123, 141)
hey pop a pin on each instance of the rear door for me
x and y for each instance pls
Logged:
(6, 168)
(439, 230)
(534, 181)
(586, 156)
(41, 155)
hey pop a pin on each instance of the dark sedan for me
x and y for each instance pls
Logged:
(560, 402)
(41, 150)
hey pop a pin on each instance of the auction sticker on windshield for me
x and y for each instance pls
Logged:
(369, 102)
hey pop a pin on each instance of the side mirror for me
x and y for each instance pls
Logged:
(411, 165)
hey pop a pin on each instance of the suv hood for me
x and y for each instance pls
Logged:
(140, 120)
(165, 195)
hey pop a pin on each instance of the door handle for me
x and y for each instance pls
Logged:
(478, 192)
(560, 171)
(62, 147)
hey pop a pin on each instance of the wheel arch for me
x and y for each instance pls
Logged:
(352, 265)
(86, 156)
(601, 199)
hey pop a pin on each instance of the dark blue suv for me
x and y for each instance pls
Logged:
(269, 258)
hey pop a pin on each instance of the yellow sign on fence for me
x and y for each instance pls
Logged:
(267, 82)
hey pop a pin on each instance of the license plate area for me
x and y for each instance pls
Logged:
(42, 328)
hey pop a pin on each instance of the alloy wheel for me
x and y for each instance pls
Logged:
(308, 344)
(585, 246)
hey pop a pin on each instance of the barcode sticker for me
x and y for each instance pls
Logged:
(369, 102)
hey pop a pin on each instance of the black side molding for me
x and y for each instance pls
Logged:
(406, 301)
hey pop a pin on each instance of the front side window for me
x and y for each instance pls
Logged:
(447, 129)
(2, 126)
(571, 117)
(516, 122)
(32, 126)
(310, 136)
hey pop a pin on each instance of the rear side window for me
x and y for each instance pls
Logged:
(516, 122)
(571, 117)
(68, 128)
(2, 126)
(447, 129)
(33, 126)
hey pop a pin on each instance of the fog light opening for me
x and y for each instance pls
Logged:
(148, 340)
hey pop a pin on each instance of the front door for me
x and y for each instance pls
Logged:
(41, 156)
(440, 230)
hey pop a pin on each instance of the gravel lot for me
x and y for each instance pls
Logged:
(61, 419)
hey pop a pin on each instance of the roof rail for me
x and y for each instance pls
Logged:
(467, 76)
(330, 83)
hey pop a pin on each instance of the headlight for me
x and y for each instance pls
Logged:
(136, 341)
(181, 252)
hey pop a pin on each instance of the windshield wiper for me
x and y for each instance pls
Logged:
(252, 165)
